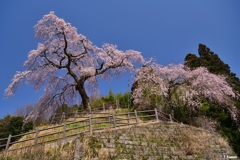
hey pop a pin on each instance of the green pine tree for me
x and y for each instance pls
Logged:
(213, 63)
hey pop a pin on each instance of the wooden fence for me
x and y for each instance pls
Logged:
(80, 125)
(59, 118)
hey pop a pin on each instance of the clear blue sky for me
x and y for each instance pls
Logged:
(164, 29)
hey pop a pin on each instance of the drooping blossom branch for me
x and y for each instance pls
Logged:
(66, 64)
(178, 82)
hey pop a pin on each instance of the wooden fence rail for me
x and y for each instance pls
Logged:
(58, 118)
(87, 125)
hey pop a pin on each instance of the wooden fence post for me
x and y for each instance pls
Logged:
(8, 142)
(156, 113)
(64, 131)
(128, 119)
(103, 107)
(63, 116)
(114, 121)
(90, 124)
(36, 138)
(170, 116)
(117, 104)
(136, 116)
(90, 109)
(53, 118)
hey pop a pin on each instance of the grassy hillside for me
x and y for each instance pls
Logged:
(151, 140)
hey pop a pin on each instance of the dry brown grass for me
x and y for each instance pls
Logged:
(198, 140)
(44, 134)
(194, 141)
(41, 152)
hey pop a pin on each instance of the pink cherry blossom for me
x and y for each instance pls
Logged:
(176, 82)
(65, 64)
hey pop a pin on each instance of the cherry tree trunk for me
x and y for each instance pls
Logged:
(84, 96)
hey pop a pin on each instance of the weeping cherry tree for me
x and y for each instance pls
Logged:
(178, 82)
(66, 64)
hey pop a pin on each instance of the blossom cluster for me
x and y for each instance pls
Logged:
(188, 86)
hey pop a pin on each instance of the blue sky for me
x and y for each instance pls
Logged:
(164, 29)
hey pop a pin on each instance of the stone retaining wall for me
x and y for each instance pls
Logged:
(153, 141)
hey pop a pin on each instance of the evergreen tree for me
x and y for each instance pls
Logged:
(13, 125)
(111, 95)
(213, 63)
(192, 61)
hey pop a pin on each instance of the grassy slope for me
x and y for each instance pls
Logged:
(188, 141)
